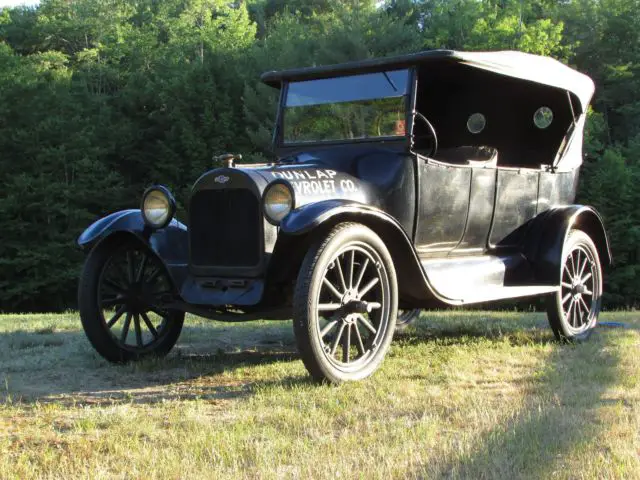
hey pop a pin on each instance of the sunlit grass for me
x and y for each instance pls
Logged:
(463, 395)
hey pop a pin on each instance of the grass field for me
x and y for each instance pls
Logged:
(462, 395)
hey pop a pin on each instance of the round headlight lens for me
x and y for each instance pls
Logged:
(158, 207)
(278, 202)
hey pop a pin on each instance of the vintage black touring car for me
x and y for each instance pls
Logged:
(430, 179)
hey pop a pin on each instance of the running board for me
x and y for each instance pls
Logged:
(465, 280)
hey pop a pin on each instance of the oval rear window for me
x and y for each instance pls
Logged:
(476, 123)
(543, 117)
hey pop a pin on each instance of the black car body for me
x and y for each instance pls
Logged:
(463, 166)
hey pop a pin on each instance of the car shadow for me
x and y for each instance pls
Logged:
(61, 366)
(209, 363)
(469, 329)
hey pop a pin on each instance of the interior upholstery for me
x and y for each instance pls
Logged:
(480, 156)
(449, 95)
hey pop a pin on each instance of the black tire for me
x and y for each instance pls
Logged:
(361, 300)
(406, 318)
(121, 287)
(573, 311)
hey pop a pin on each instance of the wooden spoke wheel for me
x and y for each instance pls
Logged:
(121, 296)
(573, 311)
(345, 305)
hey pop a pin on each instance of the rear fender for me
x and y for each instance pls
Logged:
(545, 248)
(170, 244)
(309, 223)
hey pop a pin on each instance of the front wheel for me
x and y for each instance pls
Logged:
(120, 300)
(573, 311)
(345, 304)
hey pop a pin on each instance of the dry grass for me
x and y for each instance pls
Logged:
(463, 395)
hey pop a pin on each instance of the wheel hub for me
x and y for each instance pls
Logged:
(135, 297)
(355, 306)
(350, 319)
(351, 304)
(349, 296)
(578, 289)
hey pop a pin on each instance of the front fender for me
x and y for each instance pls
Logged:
(545, 248)
(305, 221)
(306, 218)
(170, 243)
(124, 220)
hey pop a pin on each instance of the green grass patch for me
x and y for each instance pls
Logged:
(460, 395)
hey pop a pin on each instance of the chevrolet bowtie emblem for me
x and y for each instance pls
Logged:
(221, 179)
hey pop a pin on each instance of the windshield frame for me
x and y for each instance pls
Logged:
(278, 137)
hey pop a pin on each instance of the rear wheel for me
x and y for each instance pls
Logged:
(345, 304)
(573, 311)
(406, 318)
(120, 299)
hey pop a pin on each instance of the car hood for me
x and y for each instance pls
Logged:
(311, 181)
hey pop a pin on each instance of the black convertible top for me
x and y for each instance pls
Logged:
(524, 66)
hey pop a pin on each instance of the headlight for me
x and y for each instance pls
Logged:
(158, 206)
(277, 202)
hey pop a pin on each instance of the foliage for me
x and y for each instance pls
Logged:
(100, 98)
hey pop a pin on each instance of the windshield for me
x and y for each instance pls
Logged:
(346, 108)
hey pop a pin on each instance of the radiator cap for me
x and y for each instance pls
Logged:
(228, 159)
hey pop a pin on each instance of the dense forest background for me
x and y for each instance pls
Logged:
(100, 98)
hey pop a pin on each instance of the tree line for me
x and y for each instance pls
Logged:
(101, 98)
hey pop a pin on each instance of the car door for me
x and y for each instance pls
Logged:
(443, 205)
(516, 204)
(480, 215)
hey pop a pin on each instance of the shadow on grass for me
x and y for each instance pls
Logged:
(456, 333)
(60, 366)
(208, 363)
(559, 418)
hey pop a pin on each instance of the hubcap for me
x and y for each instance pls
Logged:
(352, 306)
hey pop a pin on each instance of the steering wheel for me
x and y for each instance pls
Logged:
(431, 134)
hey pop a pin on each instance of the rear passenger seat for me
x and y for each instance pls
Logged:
(477, 156)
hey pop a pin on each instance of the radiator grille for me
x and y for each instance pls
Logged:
(225, 228)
